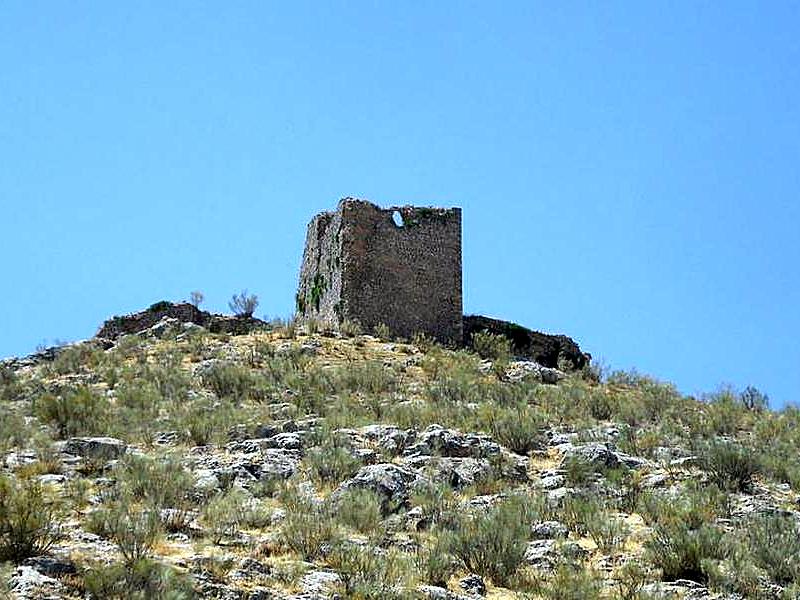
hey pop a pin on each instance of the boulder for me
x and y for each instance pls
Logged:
(473, 584)
(436, 440)
(392, 484)
(96, 448)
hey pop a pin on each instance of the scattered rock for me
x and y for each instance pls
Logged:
(320, 582)
(391, 482)
(27, 583)
(473, 584)
(523, 369)
(52, 566)
(549, 530)
(433, 592)
(436, 440)
(599, 456)
(96, 448)
(458, 473)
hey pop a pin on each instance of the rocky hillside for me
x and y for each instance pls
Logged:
(265, 462)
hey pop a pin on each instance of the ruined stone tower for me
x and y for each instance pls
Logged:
(399, 266)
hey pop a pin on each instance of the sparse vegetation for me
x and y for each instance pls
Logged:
(240, 448)
(28, 519)
(243, 304)
(493, 544)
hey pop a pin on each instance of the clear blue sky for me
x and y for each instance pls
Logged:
(628, 172)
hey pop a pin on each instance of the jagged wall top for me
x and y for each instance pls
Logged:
(360, 264)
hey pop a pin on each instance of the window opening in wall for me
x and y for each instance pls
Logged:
(397, 218)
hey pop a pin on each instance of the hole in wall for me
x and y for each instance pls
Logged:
(397, 218)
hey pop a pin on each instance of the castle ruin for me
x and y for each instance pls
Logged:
(399, 266)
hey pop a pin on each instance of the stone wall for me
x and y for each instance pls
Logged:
(358, 264)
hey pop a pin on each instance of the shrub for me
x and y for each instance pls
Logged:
(14, 431)
(492, 346)
(135, 530)
(729, 465)
(369, 377)
(579, 511)
(521, 429)
(683, 552)
(72, 358)
(196, 298)
(28, 520)
(774, 543)
(308, 525)
(572, 582)
(349, 328)
(493, 544)
(607, 531)
(140, 580)
(361, 510)
(369, 573)
(382, 332)
(160, 483)
(332, 461)
(433, 561)
(234, 382)
(629, 581)
(696, 505)
(753, 399)
(9, 384)
(80, 411)
(204, 421)
(438, 503)
(243, 304)
(223, 514)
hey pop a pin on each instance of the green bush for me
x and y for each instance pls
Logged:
(579, 511)
(204, 422)
(234, 382)
(433, 561)
(349, 328)
(573, 582)
(332, 462)
(607, 531)
(729, 465)
(14, 431)
(368, 377)
(630, 580)
(382, 332)
(774, 543)
(439, 504)
(520, 429)
(308, 525)
(134, 529)
(141, 580)
(161, 483)
(697, 504)
(492, 346)
(9, 384)
(370, 573)
(683, 552)
(228, 511)
(28, 520)
(80, 411)
(72, 359)
(361, 510)
(493, 543)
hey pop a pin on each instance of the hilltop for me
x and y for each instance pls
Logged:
(218, 457)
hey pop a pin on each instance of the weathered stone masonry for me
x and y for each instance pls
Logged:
(359, 265)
